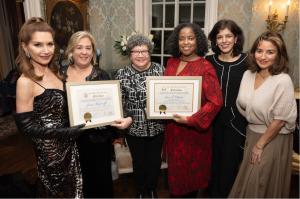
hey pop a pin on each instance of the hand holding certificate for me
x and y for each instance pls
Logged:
(170, 95)
(95, 103)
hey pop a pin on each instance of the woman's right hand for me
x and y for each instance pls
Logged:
(182, 119)
(256, 154)
(122, 123)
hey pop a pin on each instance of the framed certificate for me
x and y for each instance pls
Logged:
(95, 103)
(167, 95)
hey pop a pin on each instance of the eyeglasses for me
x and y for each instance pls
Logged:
(137, 52)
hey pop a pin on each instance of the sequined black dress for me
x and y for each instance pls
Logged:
(57, 159)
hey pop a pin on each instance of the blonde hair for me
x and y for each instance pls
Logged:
(74, 40)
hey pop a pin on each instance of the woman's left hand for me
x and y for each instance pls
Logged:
(182, 119)
(256, 155)
(122, 123)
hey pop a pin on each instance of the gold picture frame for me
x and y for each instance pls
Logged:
(95, 103)
(167, 95)
(66, 17)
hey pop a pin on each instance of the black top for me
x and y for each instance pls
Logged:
(101, 134)
(230, 75)
(95, 151)
(96, 74)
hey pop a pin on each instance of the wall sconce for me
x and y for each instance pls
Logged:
(273, 23)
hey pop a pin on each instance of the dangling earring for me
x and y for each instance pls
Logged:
(28, 55)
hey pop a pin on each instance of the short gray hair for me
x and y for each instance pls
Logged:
(138, 40)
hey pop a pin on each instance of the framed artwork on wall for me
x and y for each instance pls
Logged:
(66, 17)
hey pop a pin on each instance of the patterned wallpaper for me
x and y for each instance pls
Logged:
(109, 19)
(251, 15)
(242, 14)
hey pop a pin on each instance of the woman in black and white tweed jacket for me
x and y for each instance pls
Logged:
(144, 137)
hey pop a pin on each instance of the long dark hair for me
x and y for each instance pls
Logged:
(236, 31)
(201, 40)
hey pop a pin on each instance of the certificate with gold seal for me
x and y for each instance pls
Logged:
(95, 103)
(167, 95)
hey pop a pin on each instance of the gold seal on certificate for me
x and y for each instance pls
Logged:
(87, 117)
(162, 109)
(167, 95)
(95, 103)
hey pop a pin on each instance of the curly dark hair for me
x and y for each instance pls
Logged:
(282, 59)
(236, 31)
(172, 44)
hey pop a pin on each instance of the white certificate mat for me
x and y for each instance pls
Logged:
(95, 103)
(167, 95)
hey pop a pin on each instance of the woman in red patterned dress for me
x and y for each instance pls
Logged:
(188, 139)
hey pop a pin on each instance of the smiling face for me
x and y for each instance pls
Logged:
(40, 48)
(225, 40)
(187, 42)
(83, 53)
(140, 57)
(265, 54)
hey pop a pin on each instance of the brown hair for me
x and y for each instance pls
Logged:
(281, 62)
(32, 25)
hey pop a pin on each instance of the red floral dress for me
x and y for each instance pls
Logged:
(188, 148)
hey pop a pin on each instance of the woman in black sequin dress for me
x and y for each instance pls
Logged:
(42, 113)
